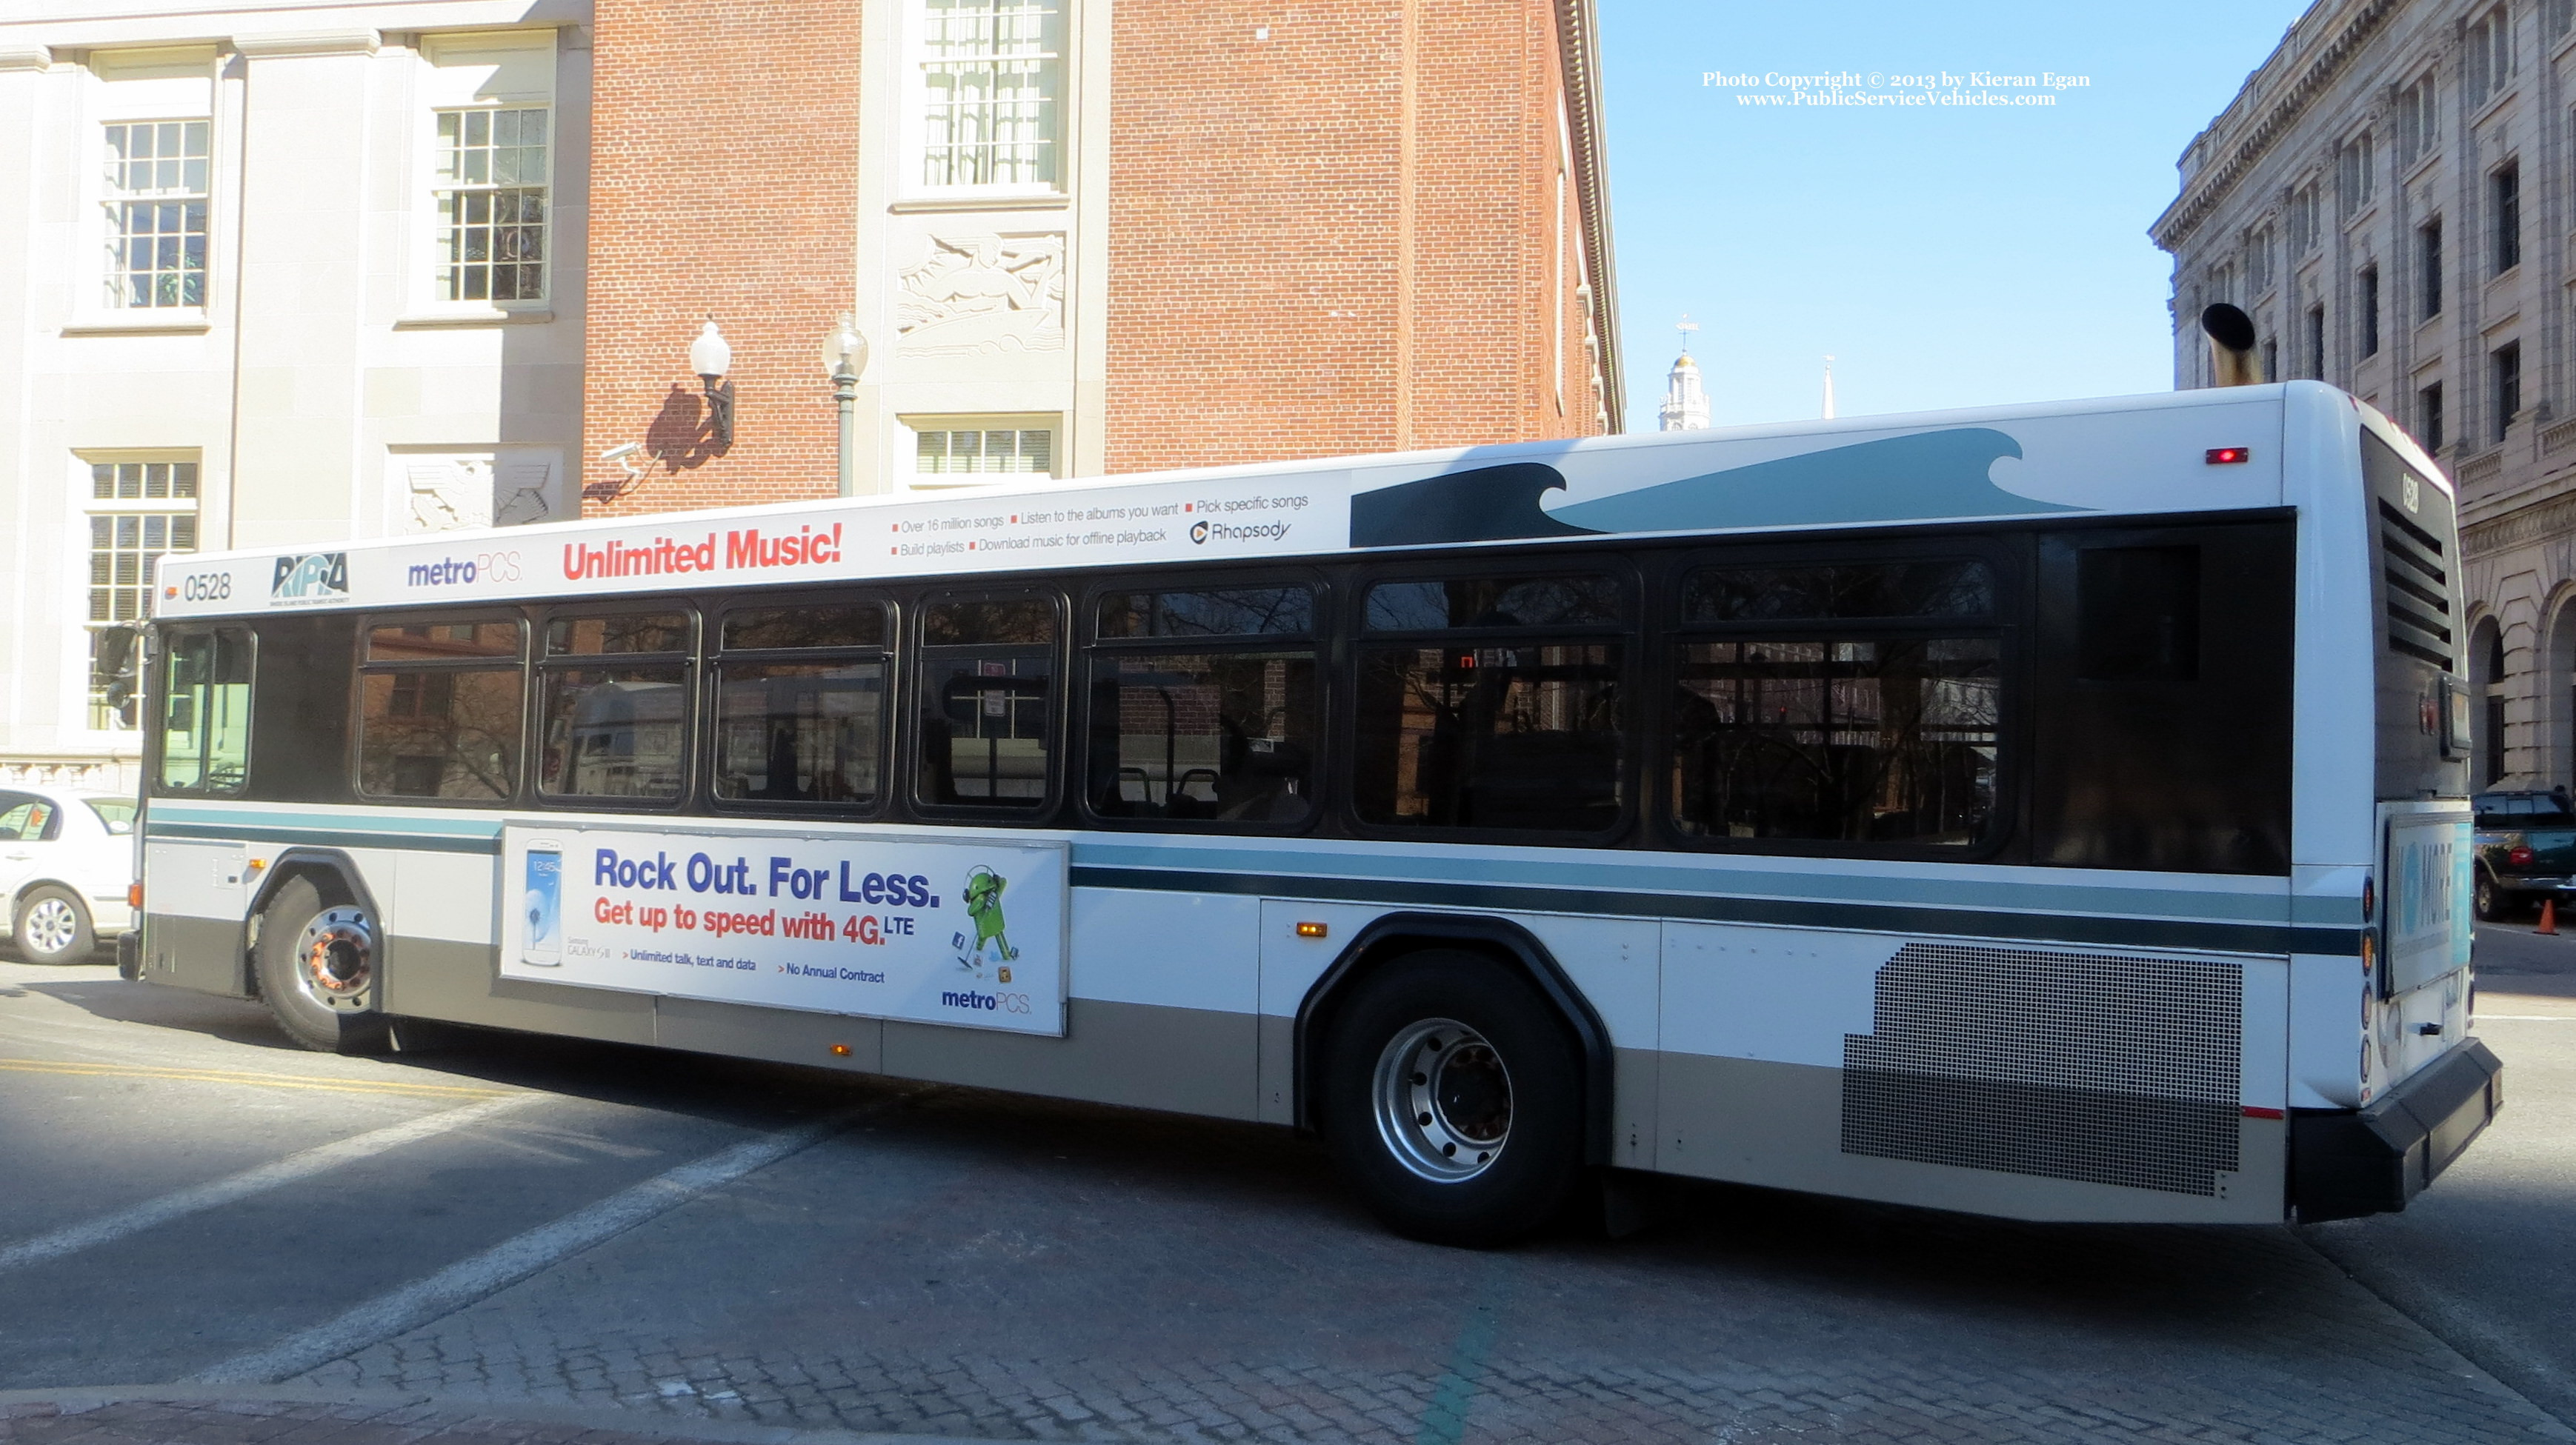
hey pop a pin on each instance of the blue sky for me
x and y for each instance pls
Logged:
(1944, 256)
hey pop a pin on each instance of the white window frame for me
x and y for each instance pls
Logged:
(911, 182)
(914, 426)
(485, 71)
(88, 506)
(131, 87)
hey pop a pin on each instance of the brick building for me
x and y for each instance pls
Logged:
(1084, 238)
(292, 271)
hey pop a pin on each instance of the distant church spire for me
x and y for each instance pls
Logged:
(1685, 405)
(1829, 386)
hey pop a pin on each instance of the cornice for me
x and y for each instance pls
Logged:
(25, 57)
(2552, 517)
(2172, 229)
(1578, 42)
(308, 42)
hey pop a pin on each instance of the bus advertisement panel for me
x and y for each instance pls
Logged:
(940, 932)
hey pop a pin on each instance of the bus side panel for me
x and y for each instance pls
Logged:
(193, 934)
(1160, 1014)
(436, 978)
(2029, 1082)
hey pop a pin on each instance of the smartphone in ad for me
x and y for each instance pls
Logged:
(541, 907)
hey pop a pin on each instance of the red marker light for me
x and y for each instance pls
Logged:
(2227, 456)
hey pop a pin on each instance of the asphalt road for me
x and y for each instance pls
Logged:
(625, 1237)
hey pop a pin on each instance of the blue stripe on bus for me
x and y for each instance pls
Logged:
(1713, 908)
(328, 836)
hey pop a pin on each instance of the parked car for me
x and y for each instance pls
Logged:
(66, 861)
(2526, 848)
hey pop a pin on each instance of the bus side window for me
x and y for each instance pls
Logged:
(1493, 702)
(202, 743)
(2163, 717)
(615, 706)
(1205, 707)
(988, 703)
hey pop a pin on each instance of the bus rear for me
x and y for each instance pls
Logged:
(2389, 1085)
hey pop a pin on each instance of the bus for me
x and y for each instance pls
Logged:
(2056, 812)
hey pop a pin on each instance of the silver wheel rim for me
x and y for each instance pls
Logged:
(1444, 1101)
(50, 926)
(335, 959)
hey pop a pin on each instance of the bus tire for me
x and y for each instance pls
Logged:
(1442, 1055)
(52, 926)
(317, 958)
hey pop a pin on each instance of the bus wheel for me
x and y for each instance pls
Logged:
(52, 927)
(1452, 1099)
(317, 971)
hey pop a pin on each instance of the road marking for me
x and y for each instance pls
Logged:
(513, 1260)
(2526, 1018)
(272, 1081)
(199, 1198)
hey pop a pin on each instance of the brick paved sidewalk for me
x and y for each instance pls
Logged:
(93, 1419)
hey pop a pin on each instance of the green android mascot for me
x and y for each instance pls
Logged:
(984, 905)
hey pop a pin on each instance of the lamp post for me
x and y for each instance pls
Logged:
(710, 356)
(845, 354)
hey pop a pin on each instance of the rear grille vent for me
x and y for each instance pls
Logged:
(2086, 1066)
(2419, 589)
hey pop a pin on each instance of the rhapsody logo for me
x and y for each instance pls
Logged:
(310, 577)
(1201, 532)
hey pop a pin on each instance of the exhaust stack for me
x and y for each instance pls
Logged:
(2231, 346)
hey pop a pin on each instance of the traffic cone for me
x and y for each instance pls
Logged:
(2548, 917)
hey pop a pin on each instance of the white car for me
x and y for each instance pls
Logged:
(66, 861)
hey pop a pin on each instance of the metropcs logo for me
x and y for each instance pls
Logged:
(463, 571)
(746, 550)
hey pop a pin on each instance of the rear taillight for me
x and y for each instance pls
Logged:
(2519, 857)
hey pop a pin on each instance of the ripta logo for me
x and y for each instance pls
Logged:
(310, 577)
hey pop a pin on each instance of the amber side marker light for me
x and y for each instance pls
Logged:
(840, 1051)
(2227, 456)
(133, 895)
(1310, 930)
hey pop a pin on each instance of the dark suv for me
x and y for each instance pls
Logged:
(2526, 847)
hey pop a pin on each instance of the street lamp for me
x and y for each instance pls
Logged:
(845, 355)
(710, 357)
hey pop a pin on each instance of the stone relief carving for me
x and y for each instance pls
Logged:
(445, 494)
(983, 295)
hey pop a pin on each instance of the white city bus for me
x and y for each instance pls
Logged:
(2055, 812)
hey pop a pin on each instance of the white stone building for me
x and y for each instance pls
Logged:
(2389, 197)
(269, 273)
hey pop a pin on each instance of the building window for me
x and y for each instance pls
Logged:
(976, 451)
(990, 80)
(2303, 220)
(2418, 123)
(2369, 297)
(2428, 417)
(2504, 374)
(2316, 319)
(491, 180)
(156, 213)
(138, 511)
(2490, 54)
(2353, 176)
(2258, 260)
(2428, 267)
(2504, 200)
(2271, 360)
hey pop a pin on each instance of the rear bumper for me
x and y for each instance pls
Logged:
(2350, 1162)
